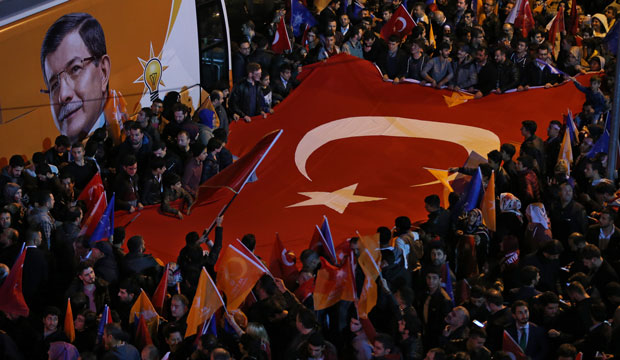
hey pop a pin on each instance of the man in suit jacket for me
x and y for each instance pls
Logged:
(606, 236)
(282, 84)
(531, 338)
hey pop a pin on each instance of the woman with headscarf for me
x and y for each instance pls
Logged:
(473, 226)
(538, 230)
(509, 220)
(599, 25)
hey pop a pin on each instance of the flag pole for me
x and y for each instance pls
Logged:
(208, 231)
(612, 155)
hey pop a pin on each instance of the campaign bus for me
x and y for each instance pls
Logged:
(68, 67)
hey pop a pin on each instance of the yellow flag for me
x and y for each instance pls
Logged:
(442, 176)
(566, 150)
(488, 204)
(370, 242)
(143, 307)
(368, 298)
(206, 302)
(431, 37)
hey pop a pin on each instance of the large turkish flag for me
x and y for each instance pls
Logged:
(353, 147)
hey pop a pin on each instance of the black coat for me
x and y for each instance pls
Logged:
(493, 75)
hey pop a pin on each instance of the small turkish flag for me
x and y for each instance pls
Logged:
(400, 24)
(281, 41)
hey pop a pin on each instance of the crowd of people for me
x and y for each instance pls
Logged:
(546, 278)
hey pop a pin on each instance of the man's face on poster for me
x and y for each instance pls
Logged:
(77, 83)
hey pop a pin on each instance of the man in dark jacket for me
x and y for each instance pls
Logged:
(95, 289)
(137, 262)
(153, 187)
(246, 100)
(498, 76)
(126, 186)
(538, 73)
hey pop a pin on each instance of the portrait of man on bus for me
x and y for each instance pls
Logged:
(76, 70)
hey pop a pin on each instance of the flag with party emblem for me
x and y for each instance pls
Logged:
(368, 297)
(301, 18)
(105, 227)
(281, 41)
(106, 318)
(566, 149)
(601, 145)
(143, 307)
(333, 284)
(236, 275)
(206, 302)
(487, 205)
(400, 24)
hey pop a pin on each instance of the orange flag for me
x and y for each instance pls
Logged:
(371, 242)
(69, 328)
(236, 275)
(160, 293)
(368, 297)
(488, 204)
(206, 302)
(332, 285)
(566, 150)
(143, 337)
(144, 308)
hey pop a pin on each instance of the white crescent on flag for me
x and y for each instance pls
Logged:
(403, 22)
(469, 137)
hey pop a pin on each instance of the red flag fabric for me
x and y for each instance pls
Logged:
(159, 296)
(281, 41)
(69, 327)
(11, 296)
(555, 29)
(319, 244)
(143, 336)
(90, 222)
(521, 17)
(93, 190)
(332, 285)
(511, 346)
(234, 177)
(400, 24)
(344, 155)
(282, 262)
(573, 20)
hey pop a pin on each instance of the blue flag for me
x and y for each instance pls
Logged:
(608, 122)
(448, 286)
(105, 317)
(471, 197)
(300, 16)
(571, 128)
(327, 235)
(601, 145)
(611, 39)
(105, 228)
